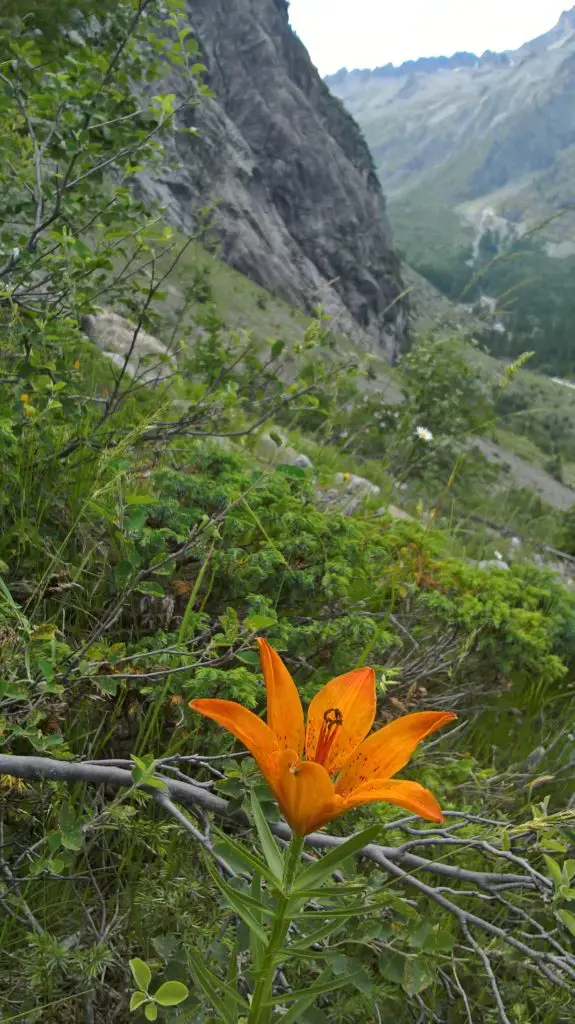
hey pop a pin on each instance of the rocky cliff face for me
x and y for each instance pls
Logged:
(297, 203)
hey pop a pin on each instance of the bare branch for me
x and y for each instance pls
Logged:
(462, 992)
(489, 972)
(169, 806)
(554, 962)
(189, 794)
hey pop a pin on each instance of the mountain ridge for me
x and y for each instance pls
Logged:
(461, 58)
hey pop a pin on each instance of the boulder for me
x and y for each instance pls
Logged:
(396, 513)
(357, 485)
(302, 461)
(492, 563)
(148, 359)
(269, 451)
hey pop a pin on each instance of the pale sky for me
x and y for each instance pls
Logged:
(369, 33)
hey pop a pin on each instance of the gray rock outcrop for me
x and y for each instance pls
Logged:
(269, 451)
(297, 205)
(141, 354)
(357, 485)
(492, 563)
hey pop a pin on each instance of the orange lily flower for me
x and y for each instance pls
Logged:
(339, 718)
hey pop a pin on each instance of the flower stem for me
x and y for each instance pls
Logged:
(260, 1014)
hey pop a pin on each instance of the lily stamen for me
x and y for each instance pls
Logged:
(332, 721)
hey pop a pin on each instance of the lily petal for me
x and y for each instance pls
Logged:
(285, 713)
(351, 698)
(305, 793)
(409, 795)
(389, 749)
(243, 724)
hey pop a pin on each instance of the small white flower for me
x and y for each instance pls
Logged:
(423, 434)
(498, 556)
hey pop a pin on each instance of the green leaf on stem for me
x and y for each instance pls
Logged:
(244, 906)
(317, 873)
(232, 977)
(335, 893)
(293, 1015)
(215, 989)
(402, 907)
(249, 861)
(392, 967)
(553, 869)
(358, 909)
(330, 985)
(70, 828)
(270, 847)
(316, 935)
(257, 947)
(568, 919)
(416, 976)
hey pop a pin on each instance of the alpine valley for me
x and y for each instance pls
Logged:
(477, 157)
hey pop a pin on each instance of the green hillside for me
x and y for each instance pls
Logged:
(534, 418)
(231, 476)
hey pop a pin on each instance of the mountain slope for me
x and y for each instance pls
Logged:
(485, 123)
(474, 152)
(296, 202)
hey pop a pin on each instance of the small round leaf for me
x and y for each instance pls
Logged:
(137, 999)
(171, 993)
(141, 972)
(151, 1012)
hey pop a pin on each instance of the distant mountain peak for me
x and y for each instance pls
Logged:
(564, 28)
(568, 18)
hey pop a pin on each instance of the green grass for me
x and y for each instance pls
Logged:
(519, 445)
(540, 411)
(246, 307)
(241, 303)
